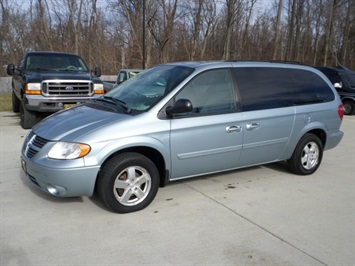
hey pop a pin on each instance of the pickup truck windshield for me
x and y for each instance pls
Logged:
(56, 62)
(144, 90)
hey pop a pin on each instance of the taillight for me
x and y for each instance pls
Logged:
(341, 111)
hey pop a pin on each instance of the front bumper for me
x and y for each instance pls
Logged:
(40, 103)
(61, 181)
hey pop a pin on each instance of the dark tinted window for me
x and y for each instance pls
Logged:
(333, 77)
(265, 88)
(350, 78)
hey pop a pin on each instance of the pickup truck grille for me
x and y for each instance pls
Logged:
(33, 144)
(67, 88)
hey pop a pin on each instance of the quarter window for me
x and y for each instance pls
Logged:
(265, 88)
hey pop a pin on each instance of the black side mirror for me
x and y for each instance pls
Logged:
(181, 106)
(97, 72)
(11, 69)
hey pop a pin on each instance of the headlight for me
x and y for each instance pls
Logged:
(99, 88)
(68, 150)
(33, 88)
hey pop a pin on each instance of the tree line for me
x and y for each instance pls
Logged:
(117, 34)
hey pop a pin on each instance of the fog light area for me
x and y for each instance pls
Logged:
(55, 190)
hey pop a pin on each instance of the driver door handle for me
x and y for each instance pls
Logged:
(231, 129)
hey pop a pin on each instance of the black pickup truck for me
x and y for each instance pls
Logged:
(343, 80)
(46, 82)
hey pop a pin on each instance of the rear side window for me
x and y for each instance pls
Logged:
(265, 88)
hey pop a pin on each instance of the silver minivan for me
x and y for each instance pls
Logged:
(182, 120)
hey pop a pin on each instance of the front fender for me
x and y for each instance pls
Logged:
(102, 151)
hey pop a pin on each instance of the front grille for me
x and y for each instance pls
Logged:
(67, 88)
(33, 144)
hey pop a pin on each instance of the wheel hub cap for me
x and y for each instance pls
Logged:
(132, 186)
(310, 155)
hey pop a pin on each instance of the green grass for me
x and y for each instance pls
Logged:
(5, 102)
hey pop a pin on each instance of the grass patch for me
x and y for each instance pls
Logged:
(5, 103)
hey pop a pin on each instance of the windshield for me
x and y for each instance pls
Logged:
(56, 62)
(144, 90)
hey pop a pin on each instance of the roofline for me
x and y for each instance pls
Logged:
(50, 52)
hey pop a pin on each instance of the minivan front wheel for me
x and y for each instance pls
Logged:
(307, 156)
(128, 182)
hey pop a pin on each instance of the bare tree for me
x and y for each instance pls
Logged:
(233, 7)
(277, 29)
(316, 32)
(161, 26)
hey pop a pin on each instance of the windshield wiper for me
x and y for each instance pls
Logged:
(117, 102)
(40, 68)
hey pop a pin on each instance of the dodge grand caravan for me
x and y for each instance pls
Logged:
(182, 120)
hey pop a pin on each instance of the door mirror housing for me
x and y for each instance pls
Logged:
(181, 106)
(97, 72)
(11, 69)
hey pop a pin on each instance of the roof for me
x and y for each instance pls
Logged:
(335, 69)
(50, 52)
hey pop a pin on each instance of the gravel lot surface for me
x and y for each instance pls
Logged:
(256, 216)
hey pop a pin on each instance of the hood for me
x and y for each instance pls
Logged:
(70, 124)
(64, 75)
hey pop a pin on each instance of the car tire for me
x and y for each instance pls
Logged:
(28, 118)
(128, 182)
(349, 107)
(15, 103)
(307, 155)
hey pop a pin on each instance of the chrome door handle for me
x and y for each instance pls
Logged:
(252, 126)
(233, 129)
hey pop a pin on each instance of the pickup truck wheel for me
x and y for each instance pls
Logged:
(128, 182)
(349, 107)
(15, 103)
(307, 156)
(28, 118)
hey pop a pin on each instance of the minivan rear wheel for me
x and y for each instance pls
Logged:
(128, 182)
(307, 156)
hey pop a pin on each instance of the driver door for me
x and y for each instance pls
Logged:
(208, 139)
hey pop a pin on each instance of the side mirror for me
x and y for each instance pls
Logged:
(181, 106)
(97, 72)
(338, 85)
(11, 69)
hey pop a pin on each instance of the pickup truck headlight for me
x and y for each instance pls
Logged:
(99, 88)
(33, 88)
(68, 150)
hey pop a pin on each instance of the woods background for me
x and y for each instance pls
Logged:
(110, 33)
